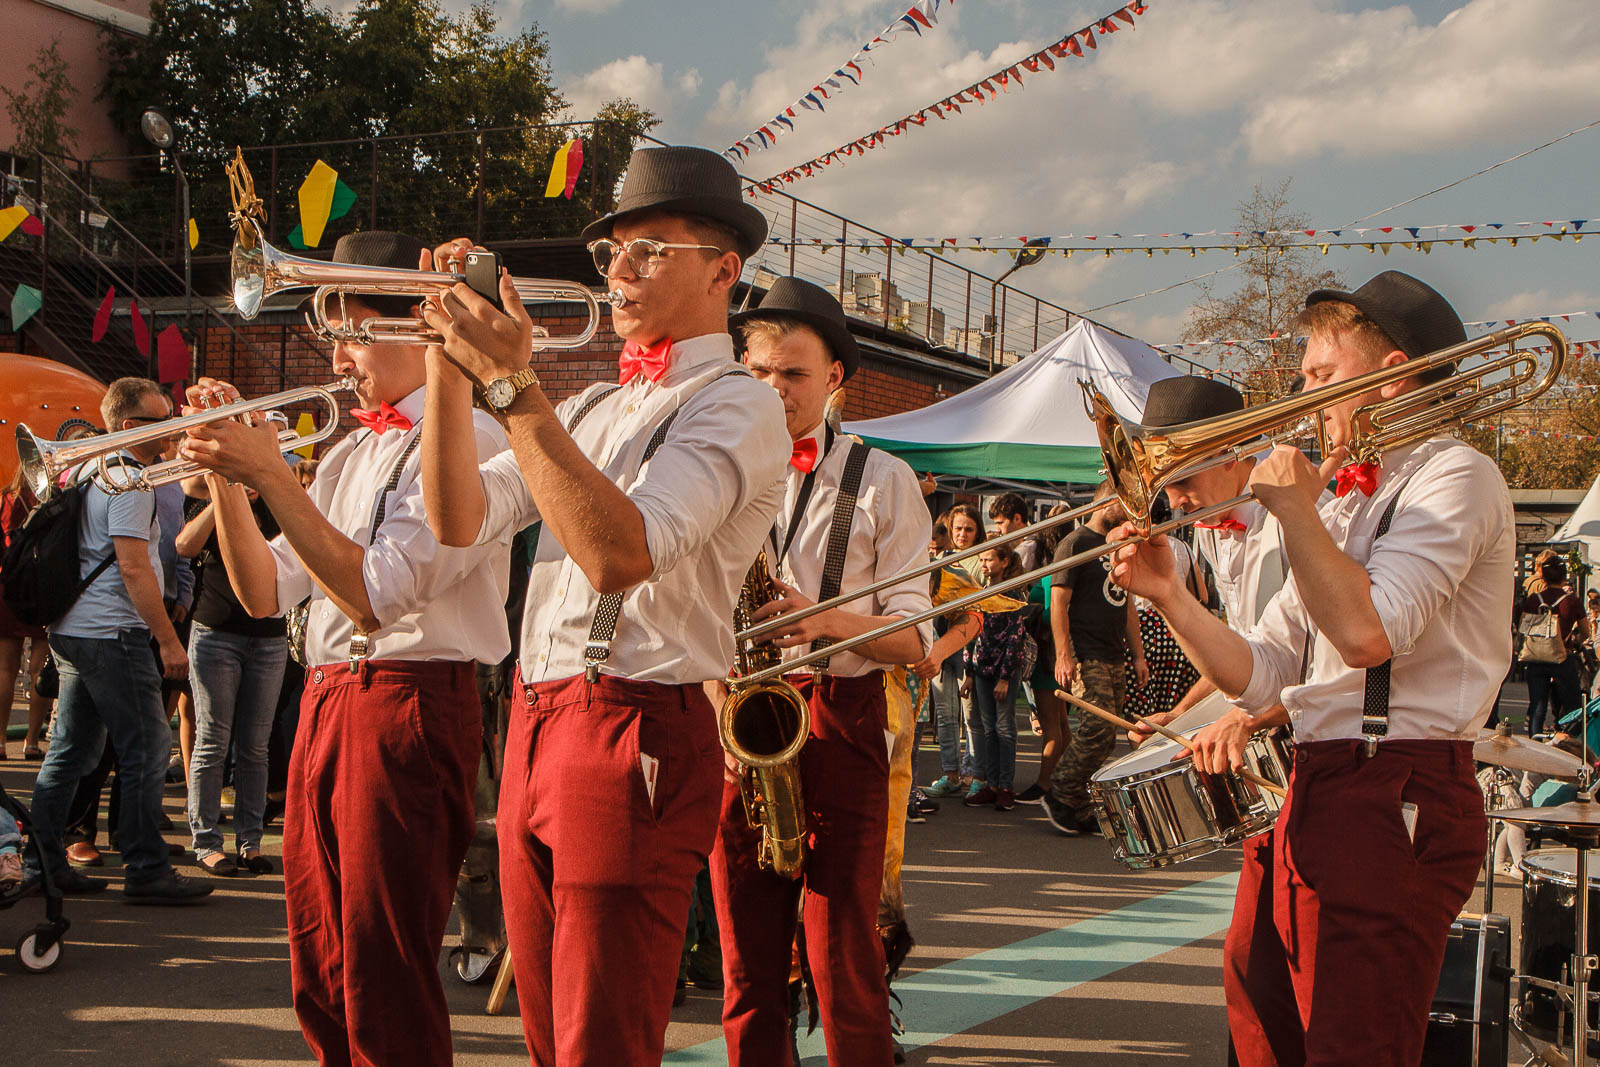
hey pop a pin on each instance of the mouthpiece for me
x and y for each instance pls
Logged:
(616, 299)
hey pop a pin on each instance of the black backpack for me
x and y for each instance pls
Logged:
(40, 567)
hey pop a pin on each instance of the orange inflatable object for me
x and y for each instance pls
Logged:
(50, 397)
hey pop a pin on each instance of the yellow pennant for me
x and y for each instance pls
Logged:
(316, 201)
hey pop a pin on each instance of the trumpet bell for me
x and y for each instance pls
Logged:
(33, 453)
(249, 270)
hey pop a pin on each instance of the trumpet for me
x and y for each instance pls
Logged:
(260, 270)
(1141, 462)
(45, 462)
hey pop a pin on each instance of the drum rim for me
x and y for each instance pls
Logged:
(1561, 878)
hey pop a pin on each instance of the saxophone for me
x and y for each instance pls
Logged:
(764, 727)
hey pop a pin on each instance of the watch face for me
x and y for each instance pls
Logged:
(500, 393)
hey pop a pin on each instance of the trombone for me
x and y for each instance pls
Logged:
(45, 462)
(1141, 462)
(260, 270)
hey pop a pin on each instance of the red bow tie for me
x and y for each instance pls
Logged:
(1225, 524)
(636, 359)
(1363, 476)
(382, 420)
(804, 456)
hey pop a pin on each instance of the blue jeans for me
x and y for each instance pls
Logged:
(108, 686)
(1552, 687)
(997, 725)
(954, 759)
(235, 679)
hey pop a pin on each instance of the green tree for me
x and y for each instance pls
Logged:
(1545, 444)
(1272, 293)
(38, 110)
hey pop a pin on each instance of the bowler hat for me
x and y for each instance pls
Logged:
(380, 248)
(1417, 319)
(810, 305)
(1187, 398)
(685, 181)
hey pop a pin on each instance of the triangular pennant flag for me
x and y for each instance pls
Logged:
(10, 219)
(1125, 15)
(316, 201)
(172, 355)
(1469, 229)
(1073, 47)
(1088, 38)
(102, 317)
(1044, 57)
(25, 303)
(141, 330)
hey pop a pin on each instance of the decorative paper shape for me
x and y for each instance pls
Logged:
(564, 171)
(306, 425)
(296, 239)
(194, 234)
(33, 226)
(172, 355)
(11, 218)
(25, 303)
(102, 318)
(344, 199)
(316, 201)
(141, 330)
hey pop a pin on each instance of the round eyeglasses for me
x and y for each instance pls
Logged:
(642, 253)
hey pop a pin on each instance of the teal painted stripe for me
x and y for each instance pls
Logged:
(969, 992)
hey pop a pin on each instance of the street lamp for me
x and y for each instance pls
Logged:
(1029, 254)
(158, 129)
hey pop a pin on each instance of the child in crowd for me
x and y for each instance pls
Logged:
(994, 663)
(10, 852)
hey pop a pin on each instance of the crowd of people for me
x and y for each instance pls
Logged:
(507, 607)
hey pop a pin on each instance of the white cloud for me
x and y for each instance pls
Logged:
(689, 81)
(587, 7)
(637, 77)
(1540, 302)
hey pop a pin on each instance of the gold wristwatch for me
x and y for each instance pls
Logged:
(502, 392)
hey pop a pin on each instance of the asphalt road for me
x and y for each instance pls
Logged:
(1032, 949)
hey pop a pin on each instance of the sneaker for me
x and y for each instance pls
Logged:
(168, 888)
(1061, 816)
(923, 804)
(10, 871)
(1034, 794)
(1004, 800)
(978, 785)
(175, 769)
(913, 815)
(947, 786)
(981, 798)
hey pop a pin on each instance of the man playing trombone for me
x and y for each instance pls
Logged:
(1397, 598)
(654, 495)
(381, 781)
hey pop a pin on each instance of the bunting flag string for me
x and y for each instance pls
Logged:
(923, 14)
(981, 92)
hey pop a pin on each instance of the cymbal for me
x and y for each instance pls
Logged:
(1574, 815)
(1520, 753)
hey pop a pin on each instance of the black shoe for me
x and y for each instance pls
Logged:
(1031, 795)
(913, 815)
(73, 883)
(923, 803)
(1061, 816)
(680, 994)
(168, 888)
(164, 822)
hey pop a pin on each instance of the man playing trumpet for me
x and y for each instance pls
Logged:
(1397, 593)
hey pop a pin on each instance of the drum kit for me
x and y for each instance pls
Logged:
(1157, 809)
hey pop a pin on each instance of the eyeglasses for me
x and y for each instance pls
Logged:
(643, 254)
(149, 418)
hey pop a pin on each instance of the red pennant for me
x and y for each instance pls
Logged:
(141, 330)
(1059, 50)
(1075, 48)
(33, 226)
(1125, 15)
(172, 355)
(1386, 229)
(1088, 38)
(1469, 229)
(1044, 57)
(102, 318)
(1032, 63)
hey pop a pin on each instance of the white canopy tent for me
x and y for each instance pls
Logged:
(1026, 423)
(1585, 522)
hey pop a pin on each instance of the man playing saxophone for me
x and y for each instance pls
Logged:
(851, 515)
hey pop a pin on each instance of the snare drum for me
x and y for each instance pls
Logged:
(1157, 809)
(1549, 897)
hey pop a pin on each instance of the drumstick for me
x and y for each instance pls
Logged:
(1248, 775)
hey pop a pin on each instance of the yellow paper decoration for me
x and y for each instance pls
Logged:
(10, 219)
(316, 201)
(194, 234)
(305, 425)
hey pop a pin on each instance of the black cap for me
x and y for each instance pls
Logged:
(1413, 314)
(685, 181)
(1188, 398)
(810, 305)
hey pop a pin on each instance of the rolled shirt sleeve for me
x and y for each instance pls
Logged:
(901, 541)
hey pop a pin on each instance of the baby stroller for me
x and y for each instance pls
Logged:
(39, 950)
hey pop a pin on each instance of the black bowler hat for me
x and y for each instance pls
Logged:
(1188, 398)
(810, 305)
(1417, 319)
(380, 248)
(685, 181)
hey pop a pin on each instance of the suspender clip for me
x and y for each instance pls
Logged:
(591, 672)
(1371, 744)
(360, 648)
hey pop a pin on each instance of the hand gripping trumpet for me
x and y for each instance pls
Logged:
(764, 726)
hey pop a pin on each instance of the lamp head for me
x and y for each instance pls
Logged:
(158, 129)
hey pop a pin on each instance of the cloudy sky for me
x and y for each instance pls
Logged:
(1361, 104)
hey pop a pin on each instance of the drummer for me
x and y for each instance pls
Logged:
(1396, 597)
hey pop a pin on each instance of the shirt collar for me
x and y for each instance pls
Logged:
(411, 405)
(690, 358)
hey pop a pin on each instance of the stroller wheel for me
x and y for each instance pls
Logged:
(33, 960)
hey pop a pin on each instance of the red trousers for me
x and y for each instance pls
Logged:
(844, 778)
(379, 813)
(596, 865)
(1338, 961)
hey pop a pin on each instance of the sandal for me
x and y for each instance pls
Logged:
(218, 864)
(254, 862)
(34, 753)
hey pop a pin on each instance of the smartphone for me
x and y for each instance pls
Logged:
(482, 270)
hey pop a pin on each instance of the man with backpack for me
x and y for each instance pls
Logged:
(110, 683)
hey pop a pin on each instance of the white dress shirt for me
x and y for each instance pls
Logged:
(888, 536)
(708, 499)
(1248, 566)
(432, 602)
(1439, 583)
